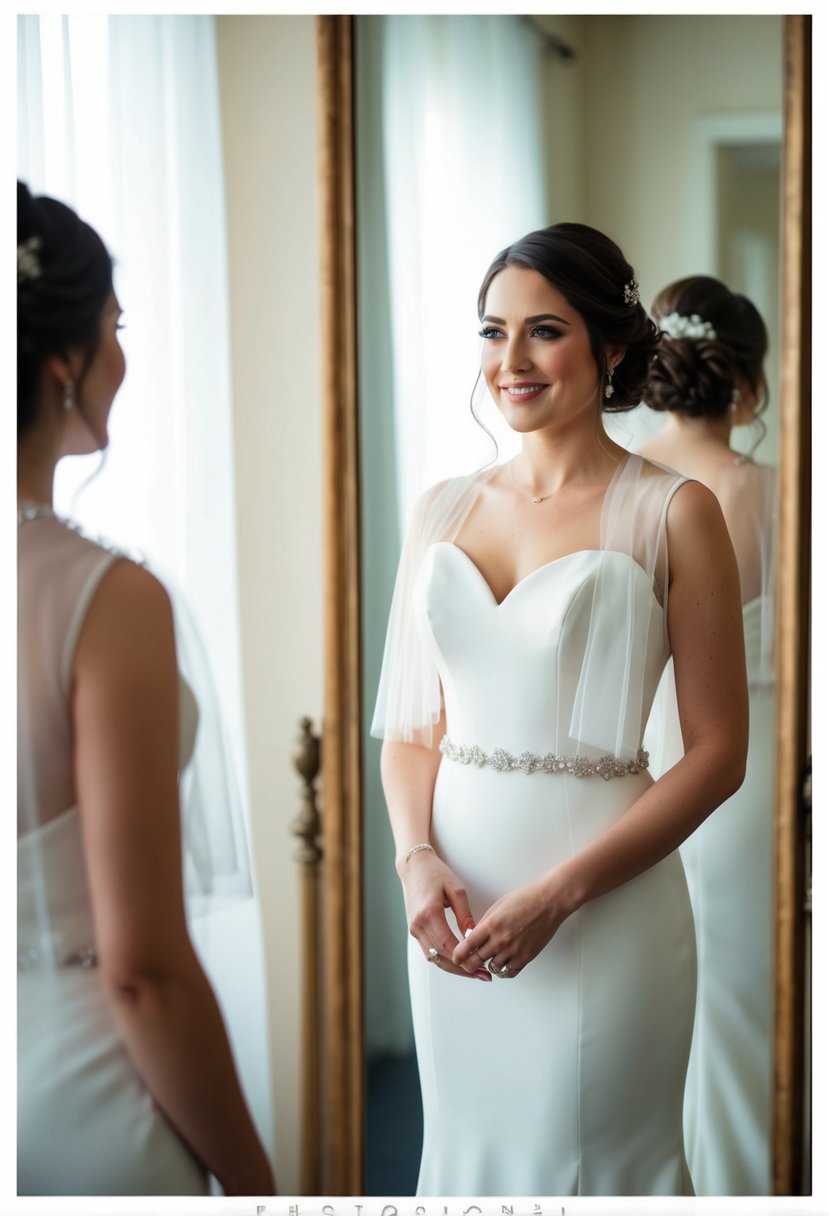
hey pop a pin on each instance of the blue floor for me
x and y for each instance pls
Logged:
(394, 1130)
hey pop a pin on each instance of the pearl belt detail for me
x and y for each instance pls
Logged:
(530, 762)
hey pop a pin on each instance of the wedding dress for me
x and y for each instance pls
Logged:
(568, 1079)
(86, 1122)
(730, 871)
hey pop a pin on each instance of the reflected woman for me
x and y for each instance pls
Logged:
(536, 605)
(126, 1082)
(708, 377)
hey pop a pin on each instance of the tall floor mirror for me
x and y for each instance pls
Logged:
(618, 131)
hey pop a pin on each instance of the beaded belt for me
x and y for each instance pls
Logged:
(530, 762)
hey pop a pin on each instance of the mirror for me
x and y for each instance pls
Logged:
(606, 128)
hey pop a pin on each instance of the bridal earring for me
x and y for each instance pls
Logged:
(68, 396)
(609, 389)
(735, 400)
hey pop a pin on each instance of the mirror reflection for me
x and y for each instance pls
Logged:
(610, 126)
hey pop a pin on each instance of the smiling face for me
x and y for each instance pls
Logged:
(536, 360)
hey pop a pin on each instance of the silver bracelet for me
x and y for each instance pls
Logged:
(416, 849)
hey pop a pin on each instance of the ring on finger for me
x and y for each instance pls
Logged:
(434, 956)
(504, 972)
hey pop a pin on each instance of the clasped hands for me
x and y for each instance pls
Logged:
(509, 935)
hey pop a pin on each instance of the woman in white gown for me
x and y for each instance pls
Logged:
(708, 376)
(126, 1083)
(535, 607)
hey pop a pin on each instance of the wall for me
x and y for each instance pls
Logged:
(648, 78)
(621, 118)
(267, 85)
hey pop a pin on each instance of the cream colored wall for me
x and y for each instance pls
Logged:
(563, 84)
(267, 85)
(619, 120)
(647, 78)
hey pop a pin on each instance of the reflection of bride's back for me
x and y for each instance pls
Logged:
(708, 375)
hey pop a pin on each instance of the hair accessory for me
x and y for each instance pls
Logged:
(68, 396)
(609, 390)
(632, 292)
(692, 328)
(28, 263)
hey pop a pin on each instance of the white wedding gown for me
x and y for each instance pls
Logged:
(87, 1125)
(568, 1079)
(729, 866)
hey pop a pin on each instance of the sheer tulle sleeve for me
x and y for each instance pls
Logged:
(409, 698)
(621, 646)
(216, 857)
(612, 696)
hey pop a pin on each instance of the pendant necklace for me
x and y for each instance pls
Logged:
(536, 498)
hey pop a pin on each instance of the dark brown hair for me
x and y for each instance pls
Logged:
(591, 272)
(59, 306)
(697, 376)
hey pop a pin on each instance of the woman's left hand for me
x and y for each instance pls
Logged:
(514, 929)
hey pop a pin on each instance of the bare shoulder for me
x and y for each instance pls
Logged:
(130, 618)
(693, 505)
(699, 545)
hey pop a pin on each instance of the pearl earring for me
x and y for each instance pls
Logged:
(609, 389)
(736, 397)
(68, 397)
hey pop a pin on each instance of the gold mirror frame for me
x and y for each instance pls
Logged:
(342, 1138)
(790, 1155)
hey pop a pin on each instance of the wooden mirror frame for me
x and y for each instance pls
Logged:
(790, 1157)
(342, 1137)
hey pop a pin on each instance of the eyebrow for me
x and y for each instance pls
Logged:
(544, 316)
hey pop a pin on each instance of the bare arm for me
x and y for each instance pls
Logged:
(705, 625)
(125, 717)
(429, 886)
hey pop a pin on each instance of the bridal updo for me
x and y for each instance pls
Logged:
(711, 340)
(64, 278)
(593, 275)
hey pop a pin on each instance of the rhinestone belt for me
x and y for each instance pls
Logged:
(530, 762)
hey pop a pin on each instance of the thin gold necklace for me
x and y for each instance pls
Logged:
(532, 497)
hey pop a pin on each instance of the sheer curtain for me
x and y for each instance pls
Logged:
(119, 117)
(450, 169)
(464, 176)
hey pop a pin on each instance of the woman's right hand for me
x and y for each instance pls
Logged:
(429, 888)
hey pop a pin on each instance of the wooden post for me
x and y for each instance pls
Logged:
(342, 727)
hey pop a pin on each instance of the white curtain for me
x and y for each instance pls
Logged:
(119, 117)
(464, 177)
(450, 169)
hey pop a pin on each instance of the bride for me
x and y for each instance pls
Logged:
(126, 1082)
(708, 377)
(536, 605)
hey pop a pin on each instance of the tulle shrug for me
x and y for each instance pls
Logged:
(633, 555)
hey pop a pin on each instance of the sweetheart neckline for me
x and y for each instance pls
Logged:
(544, 566)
